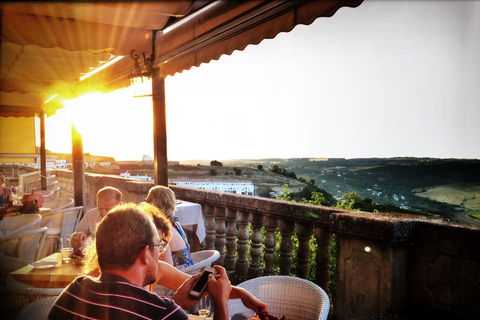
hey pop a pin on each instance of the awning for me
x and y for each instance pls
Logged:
(232, 25)
(47, 46)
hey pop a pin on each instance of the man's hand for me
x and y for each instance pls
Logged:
(182, 297)
(77, 239)
(219, 288)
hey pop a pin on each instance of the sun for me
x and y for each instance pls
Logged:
(112, 124)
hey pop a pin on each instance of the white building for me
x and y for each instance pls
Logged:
(240, 187)
(138, 177)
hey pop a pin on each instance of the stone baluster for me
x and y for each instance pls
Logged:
(220, 233)
(210, 227)
(322, 257)
(241, 267)
(286, 230)
(231, 243)
(271, 225)
(304, 234)
(255, 270)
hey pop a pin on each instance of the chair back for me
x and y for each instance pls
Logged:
(295, 298)
(201, 259)
(12, 300)
(47, 194)
(19, 223)
(71, 218)
(26, 245)
(59, 204)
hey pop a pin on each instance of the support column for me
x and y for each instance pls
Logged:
(78, 168)
(159, 131)
(43, 156)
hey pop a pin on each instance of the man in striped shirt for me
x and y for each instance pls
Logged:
(128, 247)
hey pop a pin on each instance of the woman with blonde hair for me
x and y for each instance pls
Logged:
(178, 251)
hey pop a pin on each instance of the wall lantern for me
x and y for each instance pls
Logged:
(140, 78)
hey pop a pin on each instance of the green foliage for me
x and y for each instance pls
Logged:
(237, 171)
(213, 172)
(260, 167)
(215, 163)
(286, 194)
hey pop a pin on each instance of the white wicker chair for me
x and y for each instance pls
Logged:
(27, 245)
(19, 223)
(200, 259)
(295, 298)
(48, 194)
(62, 222)
(59, 204)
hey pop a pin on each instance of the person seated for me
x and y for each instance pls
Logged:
(107, 198)
(125, 268)
(178, 251)
(4, 191)
(167, 275)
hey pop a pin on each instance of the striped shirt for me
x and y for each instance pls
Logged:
(112, 297)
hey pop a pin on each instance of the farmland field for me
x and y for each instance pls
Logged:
(459, 194)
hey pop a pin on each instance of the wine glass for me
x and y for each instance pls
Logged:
(204, 307)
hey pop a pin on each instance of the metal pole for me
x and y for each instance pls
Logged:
(43, 156)
(159, 131)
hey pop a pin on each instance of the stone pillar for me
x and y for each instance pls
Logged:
(270, 242)
(231, 243)
(210, 227)
(322, 257)
(220, 233)
(371, 264)
(255, 269)
(304, 234)
(241, 266)
(286, 229)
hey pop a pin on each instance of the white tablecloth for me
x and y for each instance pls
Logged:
(190, 214)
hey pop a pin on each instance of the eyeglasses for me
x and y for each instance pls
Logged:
(161, 246)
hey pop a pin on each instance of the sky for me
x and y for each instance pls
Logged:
(385, 79)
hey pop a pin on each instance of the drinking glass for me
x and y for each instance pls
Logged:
(204, 307)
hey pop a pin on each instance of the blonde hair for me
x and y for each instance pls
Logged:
(163, 198)
(160, 220)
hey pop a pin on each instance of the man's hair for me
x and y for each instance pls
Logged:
(108, 193)
(163, 198)
(120, 235)
(159, 219)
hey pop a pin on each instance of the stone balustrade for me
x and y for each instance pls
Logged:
(384, 262)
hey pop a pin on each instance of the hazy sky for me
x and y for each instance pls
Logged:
(386, 79)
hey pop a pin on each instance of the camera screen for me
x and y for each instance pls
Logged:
(202, 281)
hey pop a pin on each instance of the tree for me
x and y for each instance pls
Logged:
(352, 195)
(260, 167)
(237, 171)
(213, 172)
(215, 163)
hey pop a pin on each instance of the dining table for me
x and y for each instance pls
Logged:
(190, 217)
(48, 272)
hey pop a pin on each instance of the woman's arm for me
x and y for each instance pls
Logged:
(248, 300)
(167, 256)
(169, 276)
